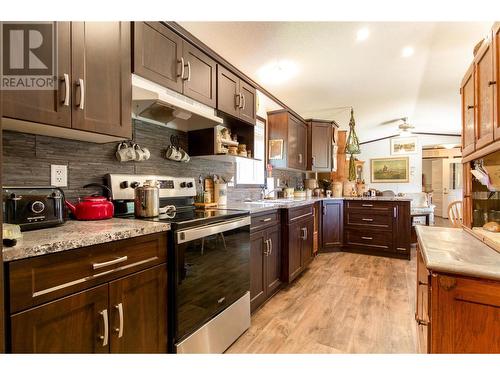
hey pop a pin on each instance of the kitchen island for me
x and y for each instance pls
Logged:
(458, 292)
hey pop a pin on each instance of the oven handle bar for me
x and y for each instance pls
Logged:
(208, 230)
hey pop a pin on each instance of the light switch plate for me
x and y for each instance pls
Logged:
(59, 175)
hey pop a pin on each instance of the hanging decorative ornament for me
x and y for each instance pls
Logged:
(352, 147)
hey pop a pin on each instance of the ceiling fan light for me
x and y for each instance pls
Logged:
(405, 133)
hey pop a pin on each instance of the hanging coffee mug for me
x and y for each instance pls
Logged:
(140, 155)
(147, 154)
(125, 153)
(173, 154)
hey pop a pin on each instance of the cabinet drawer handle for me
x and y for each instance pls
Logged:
(66, 90)
(96, 266)
(490, 83)
(119, 307)
(266, 219)
(367, 238)
(367, 205)
(81, 85)
(181, 61)
(105, 336)
(401, 248)
(366, 219)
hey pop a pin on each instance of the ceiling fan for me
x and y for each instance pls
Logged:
(404, 128)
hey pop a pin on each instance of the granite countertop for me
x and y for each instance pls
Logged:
(273, 204)
(453, 250)
(74, 234)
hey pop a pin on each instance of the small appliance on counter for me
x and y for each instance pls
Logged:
(93, 207)
(33, 207)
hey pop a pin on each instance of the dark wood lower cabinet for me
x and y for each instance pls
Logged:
(332, 224)
(74, 324)
(265, 264)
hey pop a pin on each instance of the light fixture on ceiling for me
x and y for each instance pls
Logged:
(449, 146)
(277, 71)
(362, 34)
(407, 51)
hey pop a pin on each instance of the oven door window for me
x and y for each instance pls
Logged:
(212, 272)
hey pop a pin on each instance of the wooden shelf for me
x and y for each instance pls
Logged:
(227, 157)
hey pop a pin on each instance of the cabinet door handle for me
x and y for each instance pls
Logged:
(324, 210)
(300, 158)
(243, 101)
(421, 322)
(81, 85)
(304, 233)
(266, 250)
(367, 238)
(367, 205)
(96, 266)
(490, 83)
(366, 219)
(470, 106)
(237, 100)
(181, 61)
(119, 307)
(270, 246)
(66, 90)
(313, 161)
(105, 336)
(189, 71)
(395, 210)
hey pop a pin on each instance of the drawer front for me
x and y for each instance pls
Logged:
(369, 219)
(298, 213)
(41, 279)
(371, 205)
(264, 220)
(373, 239)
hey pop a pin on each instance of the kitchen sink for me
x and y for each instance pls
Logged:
(271, 201)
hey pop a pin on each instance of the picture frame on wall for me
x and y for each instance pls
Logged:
(275, 149)
(392, 170)
(403, 146)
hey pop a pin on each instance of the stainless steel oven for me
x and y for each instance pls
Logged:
(211, 283)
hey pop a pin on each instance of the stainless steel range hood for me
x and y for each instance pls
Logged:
(162, 106)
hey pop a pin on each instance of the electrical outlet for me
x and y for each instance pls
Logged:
(59, 175)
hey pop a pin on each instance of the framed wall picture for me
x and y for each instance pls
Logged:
(275, 149)
(390, 170)
(403, 146)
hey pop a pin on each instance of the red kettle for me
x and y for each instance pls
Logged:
(93, 207)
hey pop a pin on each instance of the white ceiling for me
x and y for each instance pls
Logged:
(336, 70)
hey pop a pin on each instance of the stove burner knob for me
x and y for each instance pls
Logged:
(134, 184)
(37, 207)
(183, 184)
(189, 184)
(124, 184)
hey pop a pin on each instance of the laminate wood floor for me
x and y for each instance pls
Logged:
(344, 303)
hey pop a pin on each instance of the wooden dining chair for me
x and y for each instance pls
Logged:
(455, 214)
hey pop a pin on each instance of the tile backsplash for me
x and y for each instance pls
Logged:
(27, 159)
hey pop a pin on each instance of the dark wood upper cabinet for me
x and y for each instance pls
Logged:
(161, 56)
(157, 54)
(74, 324)
(484, 95)
(331, 224)
(468, 113)
(138, 312)
(101, 66)
(235, 97)
(46, 106)
(282, 125)
(199, 83)
(319, 150)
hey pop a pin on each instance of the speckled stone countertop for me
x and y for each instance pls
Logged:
(453, 250)
(273, 204)
(74, 234)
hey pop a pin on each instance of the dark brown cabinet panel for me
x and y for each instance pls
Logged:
(332, 224)
(468, 113)
(402, 234)
(306, 249)
(257, 269)
(138, 312)
(74, 324)
(46, 106)
(235, 97)
(319, 149)
(273, 260)
(199, 83)
(294, 254)
(102, 88)
(484, 95)
(248, 106)
(157, 54)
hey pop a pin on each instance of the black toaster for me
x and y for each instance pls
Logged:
(33, 207)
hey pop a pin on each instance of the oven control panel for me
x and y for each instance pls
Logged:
(122, 185)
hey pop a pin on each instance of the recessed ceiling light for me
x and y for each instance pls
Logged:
(362, 34)
(278, 71)
(407, 51)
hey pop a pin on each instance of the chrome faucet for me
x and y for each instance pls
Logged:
(264, 195)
